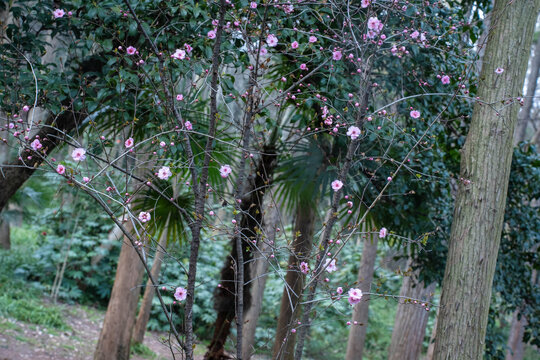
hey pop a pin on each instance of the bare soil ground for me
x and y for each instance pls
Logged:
(20, 340)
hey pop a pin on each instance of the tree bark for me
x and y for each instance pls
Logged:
(115, 337)
(516, 346)
(525, 114)
(289, 311)
(250, 223)
(481, 198)
(146, 305)
(411, 320)
(357, 332)
(5, 237)
(258, 270)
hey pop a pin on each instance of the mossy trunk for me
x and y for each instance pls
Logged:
(485, 169)
(359, 322)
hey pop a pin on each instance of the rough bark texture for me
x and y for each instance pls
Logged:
(289, 311)
(115, 337)
(146, 305)
(259, 269)
(224, 296)
(481, 198)
(357, 333)
(411, 321)
(525, 113)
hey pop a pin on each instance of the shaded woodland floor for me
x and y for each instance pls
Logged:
(20, 340)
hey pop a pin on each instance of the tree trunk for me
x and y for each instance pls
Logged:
(411, 320)
(525, 114)
(5, 237)
(250, 223)
(289, 311)
(431, 346)
(146, 305)
(114, 339)
(481, 198)
(516, 346)
(357, 332)
(259, 269)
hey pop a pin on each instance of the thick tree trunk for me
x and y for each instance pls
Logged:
(525, 114)
(481, 198)
(411, 320)
(289, 311)
(250, 223)
(146, 305)
(115, 337)
(359, 323)
(259, 268)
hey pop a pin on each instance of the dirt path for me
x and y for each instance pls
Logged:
(20, 340)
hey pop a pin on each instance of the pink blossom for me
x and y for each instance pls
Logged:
(86, 179)
(445, 79)
(26, 108)
(499, 70)
(304, 267)
(263, 51)
(415, 114)
(303, 66)
(162, 143)
(129, 142)
(415, 34)
(383, 232)
(272, 40)
(36, 145)
(355, 296)
(164, 173)
(188, 48)
(365, 3)
(339, 290)
(211, 34)
(179, 54)
(79, 154)
(330, 265)
(131, 50)
(225, 171)
(312, 39)
(58, 13)
(188, 125)
(375, 24)
(144, 216)
(61, 169)
(294, 45)
(253, 5)
(337, 184)
(179, 97)
(337, 55)
(180, 293)
(353, 132)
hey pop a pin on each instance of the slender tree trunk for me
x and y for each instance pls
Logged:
(525, 114)
(289, 312)
(259, 269)
(115, 337)
(5, 237)
(146, 305)
(359, 323)
(431, 346)
(481, 198)
(516, 346)
(250, 223)
(411, 320)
